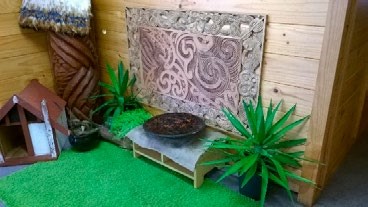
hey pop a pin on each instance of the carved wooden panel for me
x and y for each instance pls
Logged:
(196, 62)
(198, 68)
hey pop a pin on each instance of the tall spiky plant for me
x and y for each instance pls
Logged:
(118, 91)
(263, 150)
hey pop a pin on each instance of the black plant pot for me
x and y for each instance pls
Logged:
(84, 142)
(253, 188)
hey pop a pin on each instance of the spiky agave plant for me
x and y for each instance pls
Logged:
(121, 97)
(263, 150)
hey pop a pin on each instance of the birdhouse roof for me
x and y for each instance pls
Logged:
(30, 99)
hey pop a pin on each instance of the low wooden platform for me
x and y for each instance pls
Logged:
(197, 175)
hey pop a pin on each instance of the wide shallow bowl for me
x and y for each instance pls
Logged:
(174, 125)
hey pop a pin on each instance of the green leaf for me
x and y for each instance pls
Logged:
(286, 160)
(124, 83)
(236, 123)
(132, 81)
(297, 154)
(281, 172)
(280, 134)
(281, 121)
(250, 173)
(264, 176)
(216, 162)
(107, 103)
(288, 143)
(120, 72)
(271, 117)
(251, 161)
(108, 112)
(234, 168)
(250, 114)
(117, 112)
(268, 121)
(101, 95)
(108, 87)
(113, 78)
(297, 177)
(278, 181)
(228, 146)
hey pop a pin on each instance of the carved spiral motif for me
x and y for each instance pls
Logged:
(199, 68)
(75, 67)
(207, 79)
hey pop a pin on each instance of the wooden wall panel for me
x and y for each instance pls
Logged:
(292, 11)
(290, 95)
(292, 47)
(351, 90)
(23, 53)
(9, 25)
(340, 91)
(22, 44)
(292, 71)
(9, 6)
(294, 40)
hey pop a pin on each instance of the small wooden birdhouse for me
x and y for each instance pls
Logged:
(33, 126)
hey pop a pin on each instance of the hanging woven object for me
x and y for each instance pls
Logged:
(70, 17)
(72, 52)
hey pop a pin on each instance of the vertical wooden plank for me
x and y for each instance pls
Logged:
(25, 129)
(324, 104)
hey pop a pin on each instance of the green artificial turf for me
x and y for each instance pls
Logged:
(109, 176)
(125, 122)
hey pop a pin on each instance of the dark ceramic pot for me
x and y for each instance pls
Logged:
(253, 188)
(85, 142)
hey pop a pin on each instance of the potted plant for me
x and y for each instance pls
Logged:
(84, 135)
(262, 154)
(120, 98)
(119, 93)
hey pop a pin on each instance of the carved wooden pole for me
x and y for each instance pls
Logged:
(75, 66)
(71, 48)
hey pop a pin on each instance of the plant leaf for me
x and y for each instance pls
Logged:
(286, 160)
(297, 177)
(107, 103)
(132, 81)
(124, 83)
(278, 135)
(271, 117)
(117, 112)
(250, 173)
(281, 172)
(120, 72)
(236, 123)
(277, 180)
(264, 176)
(101, 95)
(268, 121)
(288, 143)
(229, 146)
(250, 114)
(108, 112)
(274, 128)
(234, 168)
(113, 78)
(215, 162)
(251, 161)
(108, 87)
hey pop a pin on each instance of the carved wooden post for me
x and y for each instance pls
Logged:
(71, 48)
(75, 67)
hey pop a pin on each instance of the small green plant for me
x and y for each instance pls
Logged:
(122, 124)
(262, 152)
(120, 92)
